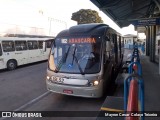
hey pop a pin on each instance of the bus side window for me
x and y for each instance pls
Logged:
(8, 46)
(20, 45)
(49, 44)
(35, 45)
(105, 51)
(32, 45)
(40, 44)
(108, 50)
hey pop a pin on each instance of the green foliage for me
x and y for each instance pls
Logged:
(84, 16)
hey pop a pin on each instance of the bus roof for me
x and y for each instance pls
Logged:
(84, 29)
(87, 29)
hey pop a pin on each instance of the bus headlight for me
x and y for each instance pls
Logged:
(96, 82)
(48, 78)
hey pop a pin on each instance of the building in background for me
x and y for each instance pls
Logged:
(129, 40)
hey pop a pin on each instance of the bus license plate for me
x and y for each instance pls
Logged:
(68, 91)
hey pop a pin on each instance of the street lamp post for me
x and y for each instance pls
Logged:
(55, 20)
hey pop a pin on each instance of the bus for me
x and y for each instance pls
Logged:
(16, 51)
(83, 60)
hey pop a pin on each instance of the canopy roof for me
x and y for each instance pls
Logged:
(123, 12)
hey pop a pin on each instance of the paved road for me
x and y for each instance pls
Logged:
(24, 89)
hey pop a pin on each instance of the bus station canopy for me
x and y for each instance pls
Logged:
(124, 12)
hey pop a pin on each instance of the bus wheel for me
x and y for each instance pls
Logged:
(11, 65)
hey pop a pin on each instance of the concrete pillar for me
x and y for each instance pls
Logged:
(120, 47)
(152, 43)
(147, 40)
(150, 39)
(159, 61)
(116, 48)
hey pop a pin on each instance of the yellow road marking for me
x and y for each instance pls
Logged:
(112, 110)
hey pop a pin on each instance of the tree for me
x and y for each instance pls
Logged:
(86, 16)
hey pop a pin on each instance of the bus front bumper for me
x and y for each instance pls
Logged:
(90, 92)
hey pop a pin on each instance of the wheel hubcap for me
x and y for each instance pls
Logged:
(11, 65)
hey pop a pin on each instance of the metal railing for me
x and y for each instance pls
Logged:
(134, 88)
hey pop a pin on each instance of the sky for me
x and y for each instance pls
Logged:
(46, 16)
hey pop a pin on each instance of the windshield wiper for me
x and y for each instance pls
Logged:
(76, 60)
(62, 60)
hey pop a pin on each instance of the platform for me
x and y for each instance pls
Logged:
(111, 109)
(151, 84)
(151, 87)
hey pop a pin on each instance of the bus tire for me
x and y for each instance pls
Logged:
(11, 64)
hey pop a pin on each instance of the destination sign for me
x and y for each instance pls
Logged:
(147, 22)
(79, 40)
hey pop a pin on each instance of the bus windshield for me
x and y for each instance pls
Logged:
(76, 55)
